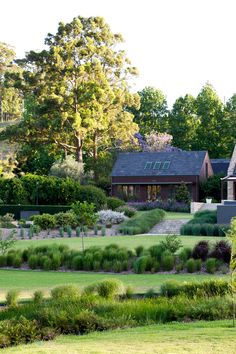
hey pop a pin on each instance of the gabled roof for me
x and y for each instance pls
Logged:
(174, 163)
(220, 166)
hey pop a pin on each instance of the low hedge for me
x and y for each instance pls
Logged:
(196, 229)
(142, 222)
(193, 289)
(167, 205)
(42, 209)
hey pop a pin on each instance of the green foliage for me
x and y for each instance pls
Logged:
(204, 224)
(12, 298)
(185, 254)
(211, 265)
(127, 210)
(140, 265)
(208, 288)
(7, 242)
(85, 213)
(110, 288)
(64, 219)
(167, 261)
(182, 193)
(68, 168)
(103, 231)
(12, 191)
(78, 231)
(191, 265)
(152, 114)
(142, 222)
(65, 292)
(171, 243)
(113, 203)
(45, 221)
(211, 187)
(38, 297)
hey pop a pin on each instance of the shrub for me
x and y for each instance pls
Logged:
(201, 250)
(45, 221)
(47, 263)
(111, 217)
(3, 260)
(182, 193)
(196, 229)
(113, 203)
(209, 288)
(65, 292)
(33, 261)
(87, 322)
(140, 265)
(170, 288)
(211, 265)
(186, 229)
(150, 293)
(128, 210)
(12, 298)
(198, 263)
(129, 292)
(167, 205)
(222, 251)
(64, 219)
(171, 243)
(91, 195)
(191, 265)
(142, 222)
(139, 250)
(167, 261)
(4, 341)
(17, 261)
(185, 254)
(38, 297)
(77, 263)
(110, 288)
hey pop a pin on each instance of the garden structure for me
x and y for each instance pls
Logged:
(141, 176)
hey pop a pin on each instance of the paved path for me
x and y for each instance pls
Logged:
(167, 227)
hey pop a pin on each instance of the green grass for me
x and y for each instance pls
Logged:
(28, 281)
(126, 241)
(177, 338)
(175, 216)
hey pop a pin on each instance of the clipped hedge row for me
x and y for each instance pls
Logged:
(196, 229)
(42, 209)
(142, 222)
(192, 289)
(48, 190)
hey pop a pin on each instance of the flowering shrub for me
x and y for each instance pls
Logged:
(111, 217)
(167, 205)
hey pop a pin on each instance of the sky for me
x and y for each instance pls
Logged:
(177, 45)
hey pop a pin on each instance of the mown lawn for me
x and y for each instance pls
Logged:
(126, 241)
(177, 338)
(175, 216)
(27, 281)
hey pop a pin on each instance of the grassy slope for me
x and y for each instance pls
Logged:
(29, 281)
(199, 337)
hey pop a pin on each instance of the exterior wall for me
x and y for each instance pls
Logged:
(230, 184)
(203, 173)
(167, 184)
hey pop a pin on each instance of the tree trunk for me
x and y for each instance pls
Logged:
(95, 157)
(79, 148)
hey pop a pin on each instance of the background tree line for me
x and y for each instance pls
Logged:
(77, 101)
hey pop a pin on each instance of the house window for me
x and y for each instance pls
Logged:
(153, 192)
(126, 191)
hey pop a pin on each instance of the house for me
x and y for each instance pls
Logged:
(141, 176)
(230, 179)
(227, 210)
(220, 166)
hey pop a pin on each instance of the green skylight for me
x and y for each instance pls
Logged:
(157, 165)
(166, 165)
(148, 165)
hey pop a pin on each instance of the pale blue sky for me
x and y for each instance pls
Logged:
(177, 45)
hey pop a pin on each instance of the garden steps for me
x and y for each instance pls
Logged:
(167, 227)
